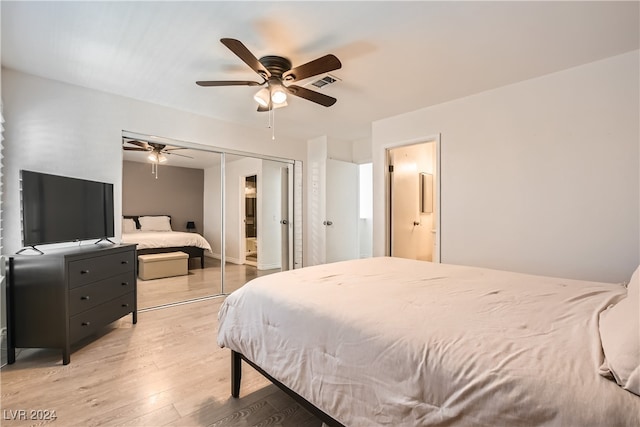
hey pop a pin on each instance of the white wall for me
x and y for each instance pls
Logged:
(540, 176)
(361, 151)
(212, 212)
(338, 149)
(62, 129)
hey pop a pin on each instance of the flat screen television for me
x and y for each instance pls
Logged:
(59, 209)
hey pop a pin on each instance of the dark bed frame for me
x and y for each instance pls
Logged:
(236, 376)
(192, 251)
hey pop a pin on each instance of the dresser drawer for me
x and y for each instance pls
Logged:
(84, 271)
(90, 321)
(88, 296)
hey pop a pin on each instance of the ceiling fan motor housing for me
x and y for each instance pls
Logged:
(276, 65)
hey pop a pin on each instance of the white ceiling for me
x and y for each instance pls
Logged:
(396, 56)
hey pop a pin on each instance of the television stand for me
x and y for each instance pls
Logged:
(33, 248)
(67, 295)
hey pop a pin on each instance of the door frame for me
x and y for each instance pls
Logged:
(437, 253)
(243, 215)
(286, 230)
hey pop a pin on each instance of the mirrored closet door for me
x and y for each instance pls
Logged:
(233, 212)
(174, 182)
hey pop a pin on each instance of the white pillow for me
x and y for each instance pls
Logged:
(128, 225)
(620, 335)
(154, 223)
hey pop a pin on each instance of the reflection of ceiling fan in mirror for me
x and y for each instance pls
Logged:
(275, 71)
(157, 152)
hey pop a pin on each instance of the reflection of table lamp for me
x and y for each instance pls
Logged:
(191, 226)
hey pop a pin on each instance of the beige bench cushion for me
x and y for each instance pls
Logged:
(155, 266)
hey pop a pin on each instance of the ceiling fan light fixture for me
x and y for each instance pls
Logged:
(262, 97)
(157, 158)
(278, 95)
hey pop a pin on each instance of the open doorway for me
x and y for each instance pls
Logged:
(251, 220)
(413, 202)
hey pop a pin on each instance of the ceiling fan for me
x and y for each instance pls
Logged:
(157, 152)
(275, 71)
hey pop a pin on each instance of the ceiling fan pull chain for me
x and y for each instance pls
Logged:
(273, 127)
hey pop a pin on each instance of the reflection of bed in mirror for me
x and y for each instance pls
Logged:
(153, 235)
(390, 341)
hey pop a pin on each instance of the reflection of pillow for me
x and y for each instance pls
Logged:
(128, 225)
(154, 223)
(620, 335)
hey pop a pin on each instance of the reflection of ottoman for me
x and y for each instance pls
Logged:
(154, 266)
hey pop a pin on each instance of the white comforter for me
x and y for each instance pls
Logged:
(388, 341)
(165, 239)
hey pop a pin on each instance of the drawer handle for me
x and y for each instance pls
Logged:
(125, 283)
(86, 323)
(84, 271)
(85, 298)
(125, 305)
(124, 262)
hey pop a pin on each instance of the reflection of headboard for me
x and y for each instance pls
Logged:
(192, 251)
(135, 219)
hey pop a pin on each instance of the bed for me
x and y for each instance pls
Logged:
(396, 342)
(153, 234)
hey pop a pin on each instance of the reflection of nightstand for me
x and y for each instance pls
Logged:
(191, 226)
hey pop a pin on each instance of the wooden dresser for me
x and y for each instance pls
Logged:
(65, 295)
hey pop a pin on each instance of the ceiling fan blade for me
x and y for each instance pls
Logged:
(317, 66)
(176, 154)
(134, 149)
(228, 83)
(157, 146)
(138, 143)
(318, 98)
(243, 53)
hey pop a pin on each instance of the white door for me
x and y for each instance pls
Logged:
(341, 211)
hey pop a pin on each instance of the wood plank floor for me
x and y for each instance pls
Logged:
(167, 370)
(198, 283)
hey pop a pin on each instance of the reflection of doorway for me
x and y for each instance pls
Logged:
(251, 219)
(413, 202)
